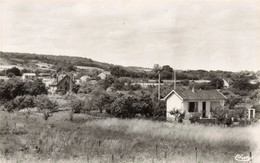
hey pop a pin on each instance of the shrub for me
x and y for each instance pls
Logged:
(178, 114)
(22, 102)
(159, 111)
(35, 87)
(220, 114)
(14, 70)
(123, 107)
(194, 118)
(9, 106)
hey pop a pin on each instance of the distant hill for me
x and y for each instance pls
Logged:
(25, 58)
(54, 62)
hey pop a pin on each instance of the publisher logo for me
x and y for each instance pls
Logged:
(240, 157)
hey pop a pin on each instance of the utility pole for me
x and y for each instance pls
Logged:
(175, 80)
(70, 83)
(159, 86)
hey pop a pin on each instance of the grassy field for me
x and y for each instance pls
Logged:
(91, 139)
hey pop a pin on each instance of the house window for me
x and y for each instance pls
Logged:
(193, 106)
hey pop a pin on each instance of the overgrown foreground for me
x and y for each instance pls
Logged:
(88, 139)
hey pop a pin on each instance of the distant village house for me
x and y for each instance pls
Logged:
(62, 84)
(29, 76)
(104, 74)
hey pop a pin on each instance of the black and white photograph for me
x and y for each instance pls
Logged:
(130, 81)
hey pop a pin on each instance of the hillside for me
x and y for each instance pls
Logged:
(25, 58)
(14, 58)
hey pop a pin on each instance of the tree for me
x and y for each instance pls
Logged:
(10, 75)
(107, 82)
(118, 71)
(98, 99)
(35, 87)
(216, 83)
(122, 107)
(16, 71)
(159, 110)
(243, 84)
(76, 105)
(46, 106)
(70, 68)
(12, 88)
(220, 113)
(166, 72)
(143, 105)
(156, 68)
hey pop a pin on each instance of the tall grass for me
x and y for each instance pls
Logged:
(118, 140)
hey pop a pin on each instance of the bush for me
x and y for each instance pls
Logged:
(22, 102)
(14, 70)
(159, 111)
(194, 118)
(15, 87)
(123, 107)
(35, 87)
(178, 114)
(220, 114)
(9, 106)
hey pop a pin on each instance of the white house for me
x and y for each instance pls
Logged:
(191, 101)
(29, 76)
(44, 75)
(104, 74)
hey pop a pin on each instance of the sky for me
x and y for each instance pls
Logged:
(190, 34)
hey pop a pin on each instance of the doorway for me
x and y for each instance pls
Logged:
(204, 110)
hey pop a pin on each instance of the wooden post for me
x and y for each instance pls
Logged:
(156, 150)
(133, 159)
(251, 158)
(99, 143)
(112, 157)
(196, 150)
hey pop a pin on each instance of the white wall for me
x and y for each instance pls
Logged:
(200, 105)
(173, 102)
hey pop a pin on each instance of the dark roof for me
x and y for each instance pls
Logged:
(198, 95)
(60, 77)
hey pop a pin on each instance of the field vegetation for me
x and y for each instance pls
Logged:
(92, 139)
